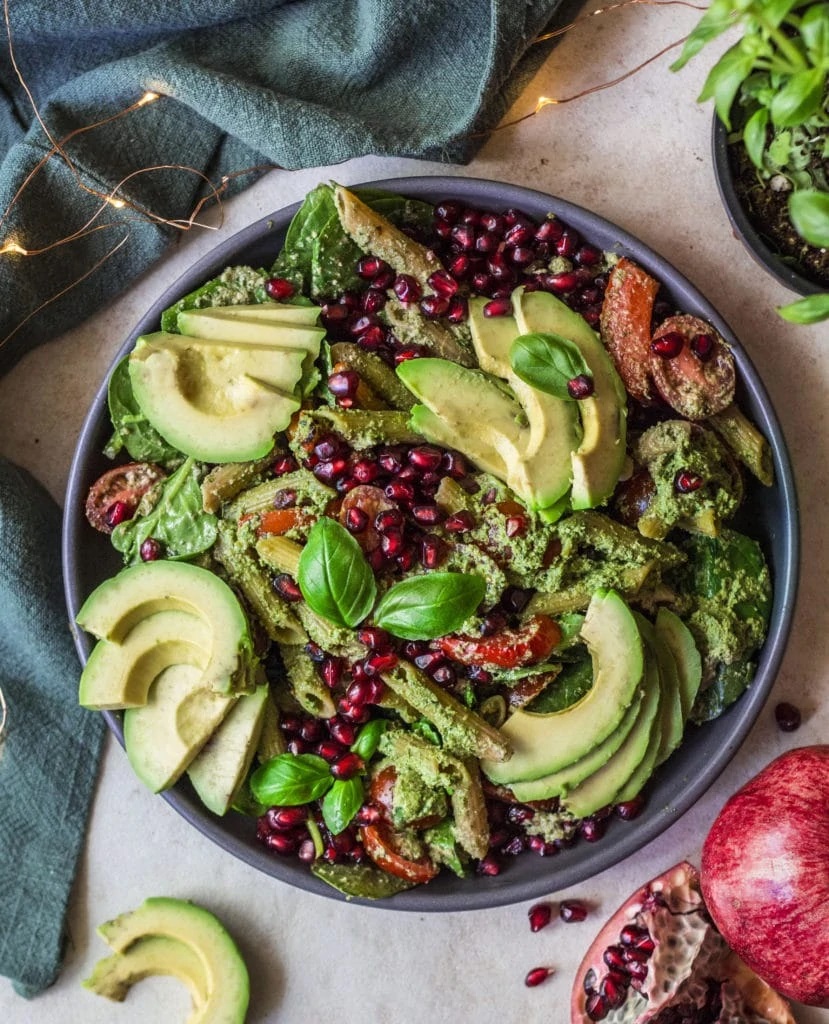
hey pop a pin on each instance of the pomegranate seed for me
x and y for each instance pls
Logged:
(432, 552)
(351, 300)
(287, 464)
(516, 525)
(668, 345)
(327, 448)
(493, 623)
(306, 851)
(630, 808)
(399, 490)
(363, 323)
(444, 675)
(592, 829)
(540, 916)
(344, 384)
(428, 515)
(478, 674)
(632, 935)
(481, 282)
(454, 464)
(460, 266)
(702, 345)
(368, 267)
(327, 472)
(372, 338)
(536, 976)
(342, 731)
(380, 661)
(470, 216)
(519, 814)
(442, 228)
(518, 234)
(550, 231)
(637, 971)
(403, 355)
(596, 1007)
(463, 235)
(614, 988)
(458, 310)
(561, 283)
(459, 522)
(633, 955)
(374, 300)
(347, 766)
(283, 843)
(433, 306)
(425, 457)
(334, 313)
(587, 256)
(448, 210)
(297, 746)
(353, 712)
(285, 498)
(522, 256)
(614, 956)
(572, 910)
(568, 244)
(787, 716)
(442, 284)
(486, 243)
(489, 866)
(592, 316)
(331, 749)
(367, 815)
(429, 660)
(356, 519)
(332, 672)
(290, 723)
(364, 471)
(374, 637)
(284, 818)
(150, 550)
(118, 512)
(686, 481)
(279, 288)
(287, 587)
(580, 387)
(492, 222)
(389, 519)
(407, 288)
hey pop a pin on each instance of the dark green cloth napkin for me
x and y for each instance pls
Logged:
(242, 83)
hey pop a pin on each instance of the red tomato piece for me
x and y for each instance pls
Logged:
(510, 648)
(115, 495)
(280, 520)
(379, 845)
(696, 387)
(625, 325)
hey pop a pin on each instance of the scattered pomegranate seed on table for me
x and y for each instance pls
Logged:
(540, 916)
(787, 716)
(572, 910)
(537, 975)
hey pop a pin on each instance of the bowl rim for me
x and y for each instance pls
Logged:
(760, 250)
(447, 893)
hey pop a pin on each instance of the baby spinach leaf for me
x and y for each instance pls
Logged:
(809, 211)
(341, 803)
(809, 310)
(365, 746)
(131, 428)
(177, 520)
(291, 779)
(547, 362)
(334, 576)
(424, 607)
(234, 286)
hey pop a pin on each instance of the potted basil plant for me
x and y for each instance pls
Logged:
(771, 137)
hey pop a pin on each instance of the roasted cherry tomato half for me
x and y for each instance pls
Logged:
(280, 520)
(115, 495)
(379, 845)
(699, 380)
(510, 648)
(625, 325)
(381, 794)
(358, 514)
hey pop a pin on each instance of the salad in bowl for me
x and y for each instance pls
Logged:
(438, 539)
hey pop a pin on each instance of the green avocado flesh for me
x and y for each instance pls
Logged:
(216, 401)
(232, 329)
(597, 462)
(437, 430)
(118, 605)
(115, 975)
(544, 744)
(553, 432)
(673, 632)
(271, 312)
(223, 978)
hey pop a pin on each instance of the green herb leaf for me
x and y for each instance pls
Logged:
(341, 803)
(365, 746)
(754, 136)
(424, 607)
(132, 429)
(718, 18)
(725, 79)
(290, 780)
(814, 30)
(547, 362)
(334, 576)
(809, 210)
(177, 520)
(799, 98)
(424, 728)
(809, 310)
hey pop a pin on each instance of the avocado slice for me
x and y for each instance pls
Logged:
(255, 329)
(118, 676)
(121, 602)
(115, 975)
(222, 765)
(227, 979)
(599, 789)
(673, 632)
(560, 782)
(543, 744)
(270, 312)
(219, 402)
(163, 737)
(673, 720)
(598, 460)
(477, 449)
(554, 429)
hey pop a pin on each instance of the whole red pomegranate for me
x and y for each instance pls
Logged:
(765, 874)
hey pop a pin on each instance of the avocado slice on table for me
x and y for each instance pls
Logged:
(115, 975)
(598, 460)
(224, 976)
(554, 428)
(543, 744)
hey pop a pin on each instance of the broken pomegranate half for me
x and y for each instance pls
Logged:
(660, 960)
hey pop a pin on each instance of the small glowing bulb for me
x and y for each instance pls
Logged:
(148, 97)
(544, 101)
(117, 203)
(13, 247)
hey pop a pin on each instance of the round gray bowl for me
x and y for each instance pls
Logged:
(770, 515)
(758, 246)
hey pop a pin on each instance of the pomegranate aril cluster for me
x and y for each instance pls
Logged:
(627, 965)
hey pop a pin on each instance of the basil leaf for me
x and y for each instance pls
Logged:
(291, 779)
(424, 607)
(547, 362)
(341, 803)
(333, 575)
(810, 310)
(177, 520)
(369, 737)
(809, 210)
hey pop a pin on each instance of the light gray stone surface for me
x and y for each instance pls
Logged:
(637, 154)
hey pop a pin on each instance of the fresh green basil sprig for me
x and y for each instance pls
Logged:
(290, 780)
(547, 362)
(337, 583)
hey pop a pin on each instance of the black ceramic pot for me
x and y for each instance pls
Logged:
(759, 247)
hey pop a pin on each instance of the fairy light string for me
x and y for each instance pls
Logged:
(114, 199)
